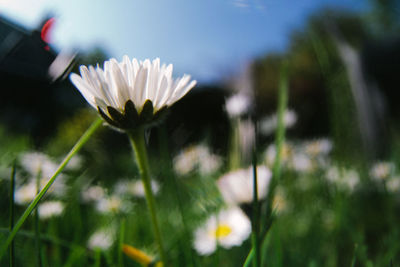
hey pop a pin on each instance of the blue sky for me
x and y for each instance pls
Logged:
(209, 39)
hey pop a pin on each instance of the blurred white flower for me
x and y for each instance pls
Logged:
(237, 105)
(301, 162)
(228, 228)
(269, 124)
(236, 187)
(25, 193)
(131, 92)
(345, 179)
(35, 162)
(382, 170)
(196, 157)
(93, 193)
(318, 147)
(135, 188)
(102, 239)
(40, 165)
(74, 163)
(393, 184)
(287, 153)
(50, 209)
(112, 204)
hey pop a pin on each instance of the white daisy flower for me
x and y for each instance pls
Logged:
(35, 162)
(301, 162)
(382, 170)
(237, 105)
(112, 204)
(318, 147)
(101, 239)
(345, 179)
(135, 188)
(288, 151)
(228, 228)
(93, 193)
(236, 187)
(131, 92)
(50, 209)
(393, 184)
(196, 157)
(269, 124)
(24, 194)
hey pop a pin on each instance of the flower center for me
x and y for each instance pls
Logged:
(222, 230)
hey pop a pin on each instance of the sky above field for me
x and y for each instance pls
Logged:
(209, 39)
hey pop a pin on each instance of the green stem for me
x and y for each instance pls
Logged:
(121, 240)
(256, 218)
(46, 238)
(279, 140)
(12, 189)
(36, 224)
(234, 149)
(84, 138)
(136, 138)
(267, 217)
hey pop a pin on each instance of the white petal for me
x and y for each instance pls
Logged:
(181, 93)
(147, 66)
(162, 89)
(165, 74)
(140, 88)
(83, 88)
(103, 88)
(120, 84)
(130, 75)
(153, 79)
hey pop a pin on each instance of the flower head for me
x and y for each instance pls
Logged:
(131, 93)
(236, 187)
(229, 228)
(101, 239)
(50, 209)
(237, 105)
(197, 157)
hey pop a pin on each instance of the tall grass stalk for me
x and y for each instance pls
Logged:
(256, 209)
(84, 138)
(122, 223)
(37, 226)
(137, 140)
(268, 215)
(12, 189)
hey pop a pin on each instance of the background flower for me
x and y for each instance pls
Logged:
(230, 227)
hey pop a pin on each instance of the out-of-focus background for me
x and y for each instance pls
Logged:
(343, 61)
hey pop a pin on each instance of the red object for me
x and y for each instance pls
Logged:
(45, 32)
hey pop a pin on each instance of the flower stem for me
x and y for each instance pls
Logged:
(136, 138)
(256, 217)
(84, 138)
(122, 222)
(12, 189)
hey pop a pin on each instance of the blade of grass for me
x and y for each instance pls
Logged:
(256, 217)
(47, 238)
(353, 261)
(12, 189)
(279, 138)
(84, 138)
(36, 225)
(97, 258)
(266, 218)
(122, 224)
(263, 241)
